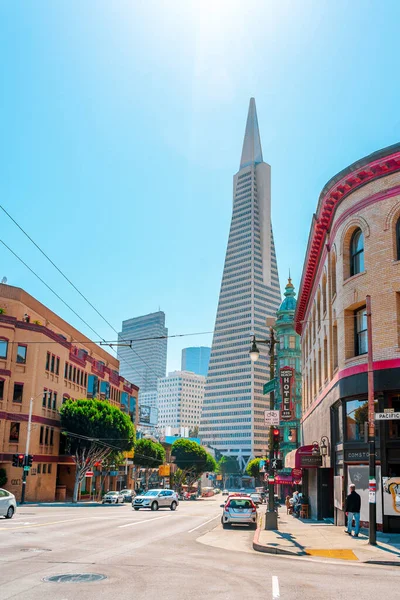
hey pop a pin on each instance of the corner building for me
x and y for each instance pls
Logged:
(353, 251)
(233, 411)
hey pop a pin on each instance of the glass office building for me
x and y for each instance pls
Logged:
(196, 360)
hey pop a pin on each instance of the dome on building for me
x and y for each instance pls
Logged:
(289, 303)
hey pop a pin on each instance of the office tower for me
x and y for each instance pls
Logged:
(196, 359)
(233, 409)
(180, 399)
(146, 361)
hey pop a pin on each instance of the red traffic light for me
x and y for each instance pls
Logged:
(21, 456)
(276, 432)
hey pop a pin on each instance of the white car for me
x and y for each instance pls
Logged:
(113, 498)
(225, 492)
(8, 505)
(155, 499)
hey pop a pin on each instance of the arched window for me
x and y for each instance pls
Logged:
(333, 274)
(398, 239)
(356, 253)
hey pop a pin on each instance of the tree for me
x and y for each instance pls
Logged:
(3, 477)
(95, 429)
(192, 459)
(149, 455)
(113, 460)
(253, 468)
(227, 465)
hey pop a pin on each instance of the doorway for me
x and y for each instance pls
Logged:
(325, 494)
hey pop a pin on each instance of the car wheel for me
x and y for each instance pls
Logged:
(226, 525)
(253, 526)
(135, 508)
(10, 512)
(154, 506)
(173, 506)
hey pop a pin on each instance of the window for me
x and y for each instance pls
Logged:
(325, 359)
(356, 253)
(47, 361)
(335, 347)
(292, 342)
(49, 399)
(44, 399)
(57, 365)
(14, 432)
(361, 337)
(356, 420)
(1, 389)
(41, 435)
(52, 363)
(49, 469)
(54, 405)
(18, 390)
(51, 437)
(324, 294)
(3, 348)
(46, 436)
(39, 469)
(21, 354)
(44, 469)
(66, 371)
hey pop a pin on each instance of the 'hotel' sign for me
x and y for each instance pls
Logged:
(287, 378)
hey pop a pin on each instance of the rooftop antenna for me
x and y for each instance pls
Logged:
(4, 280)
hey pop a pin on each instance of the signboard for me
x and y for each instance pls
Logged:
(269, 386)
(89, 474)
(311, 461)
(148, 415)
(372, 490)
(287, 378)
(387, 416)
(164, 470)
(271, 417)
(297, 474)
(359, 455)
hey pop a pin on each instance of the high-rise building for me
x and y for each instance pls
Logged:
(196, 360)
(146, 360)
(180, 399)
(233, 409)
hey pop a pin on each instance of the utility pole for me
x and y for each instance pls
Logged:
(371, 430)
(271, 518)
(28, 439)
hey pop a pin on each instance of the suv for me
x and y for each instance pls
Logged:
(155, 499)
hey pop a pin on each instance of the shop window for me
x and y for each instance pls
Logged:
(1, 389)
(18, 391)
(14, 432)
(3, 348)
(21, 354)
(356, 253)
(361, 334)
(356, 420)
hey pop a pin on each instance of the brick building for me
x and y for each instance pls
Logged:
(44, 358)
(353, 251)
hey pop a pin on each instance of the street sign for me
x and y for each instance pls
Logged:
(269, 386)
(89, 474)
(26, 468)
(297, 474)
(387, 416)
(271, 417)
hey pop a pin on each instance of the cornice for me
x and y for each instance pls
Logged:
(338, 188)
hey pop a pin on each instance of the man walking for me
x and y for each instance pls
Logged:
(352, 508)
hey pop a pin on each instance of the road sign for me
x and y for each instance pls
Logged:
(269, 386)
(387, 416)
(89, 474)
(271, 417)
(26, 468)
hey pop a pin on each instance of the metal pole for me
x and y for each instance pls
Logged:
(28, 439)
(371, 430)
(271, 517)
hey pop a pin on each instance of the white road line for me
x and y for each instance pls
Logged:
(144, 521)
(275, 587)
(198, 526)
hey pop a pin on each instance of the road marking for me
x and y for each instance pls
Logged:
(41, 524)
(201, 525)
(275, 587)
(144, 521)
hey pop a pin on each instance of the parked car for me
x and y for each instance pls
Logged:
(155, 499)
(225, 492)
(239, 510)
(128, 495)
(8, 505)
(113, 498)
(256, 499)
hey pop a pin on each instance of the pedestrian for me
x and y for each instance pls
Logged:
(352, 508)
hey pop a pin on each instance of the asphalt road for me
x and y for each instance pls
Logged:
(165, 555)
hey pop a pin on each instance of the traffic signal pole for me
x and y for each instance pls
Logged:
(28, 439)
(371, 430)
(271, 516)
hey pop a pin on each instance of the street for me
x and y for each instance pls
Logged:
(170, 555)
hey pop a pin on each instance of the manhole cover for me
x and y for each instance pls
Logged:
(75, 578)
(35, 549)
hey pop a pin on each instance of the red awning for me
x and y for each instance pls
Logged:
(284, 479)
(305, 459)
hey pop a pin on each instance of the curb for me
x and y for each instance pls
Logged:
(271, 549)
(64, 504)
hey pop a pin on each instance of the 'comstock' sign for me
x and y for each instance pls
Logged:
(287, 375)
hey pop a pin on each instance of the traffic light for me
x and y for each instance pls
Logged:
(21, 460)
(15, 460)
(276, 436)
(28, 460)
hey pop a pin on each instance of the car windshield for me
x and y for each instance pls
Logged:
(112, 493)
(151, 493)
(236, 503)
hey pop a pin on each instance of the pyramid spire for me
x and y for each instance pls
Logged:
(251, 152)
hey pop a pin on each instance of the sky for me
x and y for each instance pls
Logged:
(122, 125)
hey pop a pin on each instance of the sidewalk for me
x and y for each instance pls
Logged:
(301, 537)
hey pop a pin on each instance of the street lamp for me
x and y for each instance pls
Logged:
(290, 436)
(324, 446)
(254, 351)
(315, 451)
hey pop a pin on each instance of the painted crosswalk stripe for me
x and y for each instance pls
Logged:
(275, 587)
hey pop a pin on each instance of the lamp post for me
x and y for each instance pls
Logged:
(371, 430)
(271, 521)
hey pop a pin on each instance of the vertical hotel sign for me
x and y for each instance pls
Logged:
(287, 379)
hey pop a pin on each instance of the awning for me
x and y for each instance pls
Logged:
(305, 459)
(284, 479)
(290, 459)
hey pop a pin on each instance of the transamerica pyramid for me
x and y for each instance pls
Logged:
(233, 409)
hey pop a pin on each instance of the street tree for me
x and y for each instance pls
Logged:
(148, 455)
(95, 430)
(253, 469)
(193, 459)
(227, 465)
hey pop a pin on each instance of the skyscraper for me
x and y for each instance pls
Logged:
(196, 359)
(146, 361)
(233, 409)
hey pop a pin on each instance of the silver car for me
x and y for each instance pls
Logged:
(113, 498)
(8, 505)
(239, 510)
(155, 499)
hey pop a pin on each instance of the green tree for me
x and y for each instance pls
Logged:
(253, 468)
(110, 463)
(3, 477)
(227, 465)
(95, 430)
(193, 459)
(149, 455)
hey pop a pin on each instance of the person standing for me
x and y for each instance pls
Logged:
(352, 508)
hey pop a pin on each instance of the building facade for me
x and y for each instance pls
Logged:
(196, 360)
(180, 400)
(146, 361)
(353, 251)
(44, 358)
(288, 373)
(233, 413)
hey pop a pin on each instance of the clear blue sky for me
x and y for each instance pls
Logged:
(122, 124)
